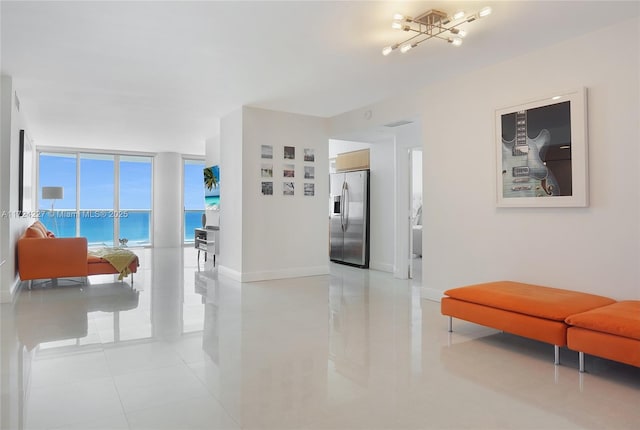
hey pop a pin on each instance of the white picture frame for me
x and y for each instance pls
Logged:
(542, 152)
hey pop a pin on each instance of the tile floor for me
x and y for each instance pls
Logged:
(186, 349)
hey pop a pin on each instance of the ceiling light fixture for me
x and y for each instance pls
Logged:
(432, 24)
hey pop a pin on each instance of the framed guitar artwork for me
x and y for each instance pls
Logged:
(541, 152)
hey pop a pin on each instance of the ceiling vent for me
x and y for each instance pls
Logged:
(398, 123)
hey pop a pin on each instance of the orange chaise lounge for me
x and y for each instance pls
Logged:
(43, 256)
(526, 310)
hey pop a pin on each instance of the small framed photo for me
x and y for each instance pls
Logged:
(309, 172)
(289, 152)
(541, 152)
(287, 188)
(309, 189)
(289, 171)
(267, 188)
(309, 154)
(266, 151)
(266, 171)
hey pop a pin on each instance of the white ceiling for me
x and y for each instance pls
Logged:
(157, 76)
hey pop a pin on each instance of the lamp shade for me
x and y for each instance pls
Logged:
(52, 192)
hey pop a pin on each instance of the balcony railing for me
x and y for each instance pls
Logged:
(98, 225)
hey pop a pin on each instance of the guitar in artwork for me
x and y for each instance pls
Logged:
(524, 174)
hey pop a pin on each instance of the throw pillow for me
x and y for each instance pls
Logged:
(34, 233)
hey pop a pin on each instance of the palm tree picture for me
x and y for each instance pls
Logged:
(210, 179)
(212, 185)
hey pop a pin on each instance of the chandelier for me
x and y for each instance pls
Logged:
(432, 24)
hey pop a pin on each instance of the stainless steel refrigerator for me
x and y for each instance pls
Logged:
(349, 224)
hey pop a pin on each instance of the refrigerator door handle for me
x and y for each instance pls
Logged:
(346, 206)
(342, 197)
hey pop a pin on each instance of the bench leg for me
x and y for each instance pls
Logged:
(450, 324)
(581, 360)
(556, 350)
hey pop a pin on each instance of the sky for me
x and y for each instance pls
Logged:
(97, 181)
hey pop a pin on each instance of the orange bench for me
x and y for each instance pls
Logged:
(526, 310)
(611, 332)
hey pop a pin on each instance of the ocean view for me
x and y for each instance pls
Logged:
(98, 225)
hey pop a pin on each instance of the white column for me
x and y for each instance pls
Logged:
(168, 205)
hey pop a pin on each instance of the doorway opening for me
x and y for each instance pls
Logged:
(415, 211)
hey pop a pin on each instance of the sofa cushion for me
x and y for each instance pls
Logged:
(92, 259)
(543, 302)
(34, 233)
(622, 319)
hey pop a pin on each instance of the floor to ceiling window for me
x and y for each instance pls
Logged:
(106, 198)
(193, 197)
(97, 198)
(58, 170)
(135, 199)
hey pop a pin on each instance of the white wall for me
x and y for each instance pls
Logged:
(11, 225)
(466, 238)
(284, 236)
(231, 189)
(337, 147)
(277, 236)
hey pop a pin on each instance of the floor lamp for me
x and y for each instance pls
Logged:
(53, 194)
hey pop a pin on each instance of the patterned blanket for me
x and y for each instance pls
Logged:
(119, 258)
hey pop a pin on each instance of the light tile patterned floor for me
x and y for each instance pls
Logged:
(186, 349)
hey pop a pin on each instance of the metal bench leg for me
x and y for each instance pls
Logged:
(450, 324)
(581, 359)
(556, 350)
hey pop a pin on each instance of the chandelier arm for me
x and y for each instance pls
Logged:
(421, 33)
(429, 36)
(411, 38)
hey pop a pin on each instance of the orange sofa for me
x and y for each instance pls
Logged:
(526, 310)
(43, 256)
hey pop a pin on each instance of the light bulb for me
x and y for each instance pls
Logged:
(398, 16)
(458, 32)
(396, 25)
(458, 15)
(405, 48)
(387, 50)
(456, 41)
(484, 12)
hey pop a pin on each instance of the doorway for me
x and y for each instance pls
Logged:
(415, 213)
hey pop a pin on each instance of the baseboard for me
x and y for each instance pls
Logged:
(382, 267)
(273, 274)
(431, 294)
(230, 273)
(10, 296)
